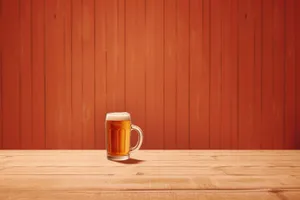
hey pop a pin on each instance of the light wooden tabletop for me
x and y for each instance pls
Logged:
(152, 174)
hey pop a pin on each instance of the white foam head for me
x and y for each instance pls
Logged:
(117, 116)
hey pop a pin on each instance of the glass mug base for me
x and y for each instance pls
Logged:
(117, 158)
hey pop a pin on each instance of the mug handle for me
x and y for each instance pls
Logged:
(140, 138)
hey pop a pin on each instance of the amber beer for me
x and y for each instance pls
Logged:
(118, 130)
(118, 135)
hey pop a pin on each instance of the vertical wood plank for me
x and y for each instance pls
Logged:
(246, 74)
(226, 72)
(257, 81)
(297, 74)
(229, 75)
(290, 78)
(115, 66)
(68, 73)
(1, 51)
(216, 73)
(135, 64)
(26, 72)
(121, 51)
(229, 111)
(278, 73)
(206, 56)
(77, 69)
(11, 75)
(170, 66)
(267, 75)
(100, 72)
(154, 73)
(234, 72)
(88, 72)
(56, 125)
(183, 79)
(38, 74)
(199, 80)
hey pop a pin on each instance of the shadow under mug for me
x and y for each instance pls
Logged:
(118, 128)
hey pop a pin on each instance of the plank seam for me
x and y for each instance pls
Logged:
(254, 124)
(82, 71)
(284, 81)
(209, 63)
(72, 112)
(295, 75)
(20, 76)
(238, 80)
(189, 81)
(221, 85)
(95, 91)
(297, 145)
(164, 73)
(45, 80)
(273, 57)
(125, 55)
(176, 78)
(261, 72)
(145, 67)
(105, 26)
(163, 190)
(31, 68)
(1, 82)
(64, 65)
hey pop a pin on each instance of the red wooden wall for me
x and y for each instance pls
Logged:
(193, 73)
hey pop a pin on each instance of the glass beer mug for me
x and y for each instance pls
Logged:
(118, 129)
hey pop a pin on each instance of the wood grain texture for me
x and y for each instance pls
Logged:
(211, 174)
(170, 195)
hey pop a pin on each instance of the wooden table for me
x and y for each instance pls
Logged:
(156, 174)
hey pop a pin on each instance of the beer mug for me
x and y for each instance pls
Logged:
(118, 129)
